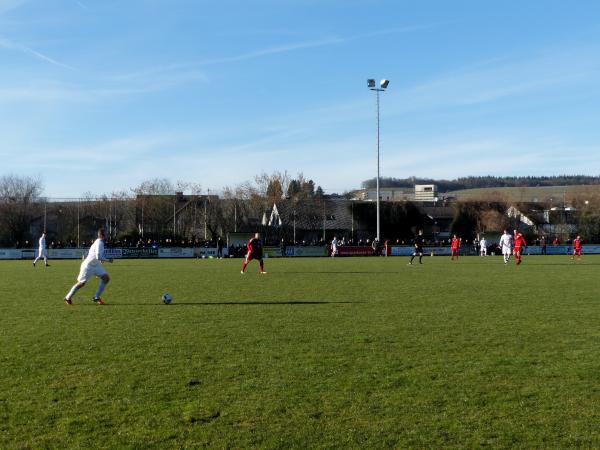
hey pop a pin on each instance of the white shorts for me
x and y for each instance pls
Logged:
(506, 251)
(88, 271)
(42, 253)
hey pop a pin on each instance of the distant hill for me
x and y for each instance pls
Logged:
(487, 182)
(547, 194)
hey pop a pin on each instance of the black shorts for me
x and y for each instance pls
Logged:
(418, 250)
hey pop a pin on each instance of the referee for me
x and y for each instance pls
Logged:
(418, 244)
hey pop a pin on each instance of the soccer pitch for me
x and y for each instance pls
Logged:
(330, 353)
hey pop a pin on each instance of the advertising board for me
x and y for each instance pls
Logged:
(139, 252)
(175, 252)
(306, 251)
(10, 253)
(66, 253)
(363, 250)
(208, 252)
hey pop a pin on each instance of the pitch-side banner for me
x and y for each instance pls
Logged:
(66, 253)
(272, 252)
(207, 252)
(10, 253)
(306, 251)
(175, 252)
(363, 250)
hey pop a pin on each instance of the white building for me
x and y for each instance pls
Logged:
(420, 193)
(426, 193)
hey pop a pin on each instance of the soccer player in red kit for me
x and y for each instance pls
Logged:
(519, 243)
(454, 246)
(577, 248)
(255, 251)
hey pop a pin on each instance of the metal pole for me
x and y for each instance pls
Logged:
(323, 220)
(205, 235)
(142, 218)
(378, 217)
(78, 206)
(235, 217)
(352, 232)
(294, 227)
(45, 215)
(195, 216)
(173, 221)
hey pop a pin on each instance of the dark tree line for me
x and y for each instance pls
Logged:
(485, 182)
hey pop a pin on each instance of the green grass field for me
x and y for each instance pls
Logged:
(344, 353)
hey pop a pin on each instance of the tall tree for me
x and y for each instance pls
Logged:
(18, 197)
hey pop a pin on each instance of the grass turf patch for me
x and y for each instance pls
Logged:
(348, 352)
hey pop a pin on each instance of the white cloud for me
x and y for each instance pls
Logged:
(10, 45)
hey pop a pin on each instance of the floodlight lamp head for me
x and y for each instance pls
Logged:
(384, 84)
(371, 83)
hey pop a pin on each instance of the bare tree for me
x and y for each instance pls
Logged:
(18, 197)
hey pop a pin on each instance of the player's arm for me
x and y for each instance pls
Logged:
(100, 256)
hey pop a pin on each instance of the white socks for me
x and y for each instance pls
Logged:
(72, 292)
(100, 289)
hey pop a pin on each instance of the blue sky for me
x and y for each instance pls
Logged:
(98, 95)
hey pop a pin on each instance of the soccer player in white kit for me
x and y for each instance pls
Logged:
(506, 244)
(334, 247)
(483, 247)
(90, 267)
(42, 251)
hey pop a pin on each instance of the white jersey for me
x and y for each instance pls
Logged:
(483, 244)
(334, 244)
(506, 242)
(96, 254)
(42, 243)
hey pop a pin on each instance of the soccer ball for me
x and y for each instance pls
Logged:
(166, 298)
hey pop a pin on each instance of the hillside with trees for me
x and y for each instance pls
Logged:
(485, 182)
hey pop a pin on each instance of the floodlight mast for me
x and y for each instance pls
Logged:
(383, 86)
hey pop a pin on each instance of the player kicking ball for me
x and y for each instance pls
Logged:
(255, 251)
(92, 267)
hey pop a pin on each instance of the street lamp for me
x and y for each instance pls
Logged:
(383, 84)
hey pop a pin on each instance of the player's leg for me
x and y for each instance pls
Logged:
(84, 274)
(421, 258)
(246, 261)
(104, 279)
(99, 271)
(261, 265)
(412, 257)
(73, 291)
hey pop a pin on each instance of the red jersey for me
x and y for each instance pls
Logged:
(455, 243)
(577, 244)
(519, 241)
(255, 248)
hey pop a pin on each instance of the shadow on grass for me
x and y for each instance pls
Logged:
(240, 303)
(375, 272)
